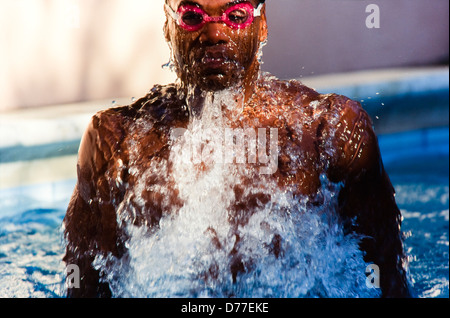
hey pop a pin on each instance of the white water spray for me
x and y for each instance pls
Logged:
(284, 248)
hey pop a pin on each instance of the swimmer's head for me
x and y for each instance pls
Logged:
(215, 43)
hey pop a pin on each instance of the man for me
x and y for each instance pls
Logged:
(125, 171)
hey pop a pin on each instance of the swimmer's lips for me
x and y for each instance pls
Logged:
(215, 60)
(214, 63)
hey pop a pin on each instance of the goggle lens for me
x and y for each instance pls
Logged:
(190, 16)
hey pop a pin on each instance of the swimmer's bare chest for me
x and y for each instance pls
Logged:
(146, 170)
(141, 170)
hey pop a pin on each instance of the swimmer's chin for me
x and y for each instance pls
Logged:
(215, 80)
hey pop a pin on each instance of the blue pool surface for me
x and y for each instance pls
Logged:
(419, 170)
(31, 246)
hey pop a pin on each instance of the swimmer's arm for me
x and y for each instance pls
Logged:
(90, 222)
(368, 197)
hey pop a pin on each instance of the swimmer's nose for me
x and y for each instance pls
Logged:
(214, 33)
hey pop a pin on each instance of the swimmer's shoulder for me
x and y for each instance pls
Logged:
(292, 93)
(109, 128)
(332, 109)
(355, 140)
(161, 101)
(301, 95)
(161, 107)
(338, 121)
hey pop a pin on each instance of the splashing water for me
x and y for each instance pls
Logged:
(207, 248)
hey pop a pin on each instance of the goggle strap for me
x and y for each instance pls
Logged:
(257, 11)
(172, 13)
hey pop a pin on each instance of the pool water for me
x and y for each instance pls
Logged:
(423, 197)
(31, 245)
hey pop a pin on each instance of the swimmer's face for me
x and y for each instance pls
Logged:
(216, 56)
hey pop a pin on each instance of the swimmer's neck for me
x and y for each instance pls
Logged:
(241, 94)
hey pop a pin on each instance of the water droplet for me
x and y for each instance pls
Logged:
(169, 65)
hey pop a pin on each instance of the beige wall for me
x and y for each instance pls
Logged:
(60, 51)
(57, 51)
(328, 36)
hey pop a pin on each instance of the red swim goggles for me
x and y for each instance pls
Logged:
(192, 18)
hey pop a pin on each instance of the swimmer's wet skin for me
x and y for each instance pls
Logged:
(146, 220)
